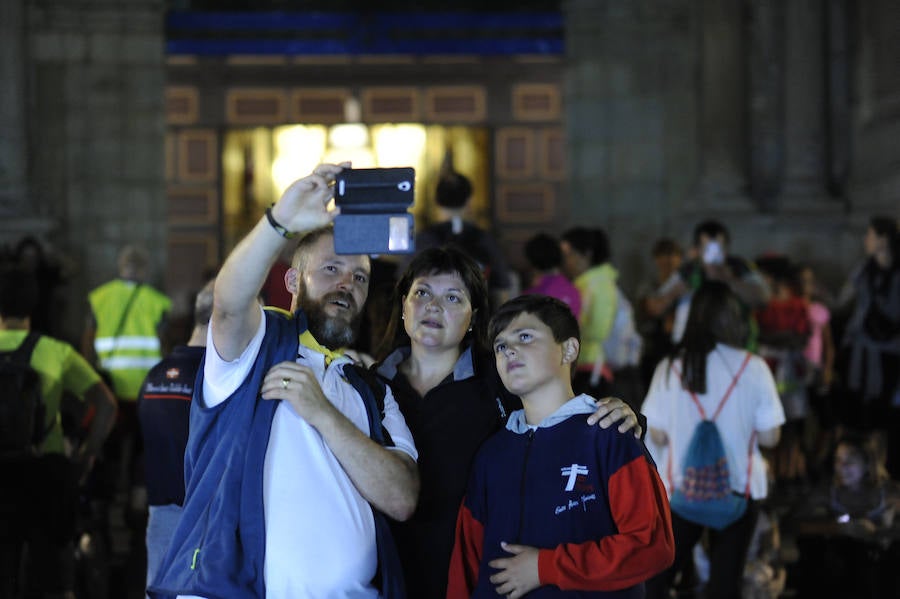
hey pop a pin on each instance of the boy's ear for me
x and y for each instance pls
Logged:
(570, 349)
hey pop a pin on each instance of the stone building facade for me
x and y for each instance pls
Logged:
(774, 116)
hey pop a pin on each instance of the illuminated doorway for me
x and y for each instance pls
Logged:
(258, 164)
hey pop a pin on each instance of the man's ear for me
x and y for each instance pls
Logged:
(570, 348)
(290, 280)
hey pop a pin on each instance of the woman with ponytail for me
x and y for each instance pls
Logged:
(709, 376)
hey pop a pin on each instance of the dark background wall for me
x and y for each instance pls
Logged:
(778, 117)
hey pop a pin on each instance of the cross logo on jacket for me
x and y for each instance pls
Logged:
(572, 472)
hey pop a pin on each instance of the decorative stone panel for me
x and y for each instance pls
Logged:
(255, 106)
(318, 105)
(552, 154)
(456, 104)
(515, 153)
(197, 155)
(391, 104)
(192, 205)
(536, 102)
(193, 254)
(181, 105)
(532, 203)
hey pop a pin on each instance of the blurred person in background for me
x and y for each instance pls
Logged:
(713, 261)
(164, 407)
(453, 193)
(656, 318)
(871, 342)
(39, 502)
(545, 260)
(709, 374)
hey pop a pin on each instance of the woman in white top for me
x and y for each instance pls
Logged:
(707, 366)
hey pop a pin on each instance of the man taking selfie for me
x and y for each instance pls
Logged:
(294, 453)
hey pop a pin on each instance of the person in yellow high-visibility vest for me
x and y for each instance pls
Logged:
(39, 498)
(125, 327)
(123, 339)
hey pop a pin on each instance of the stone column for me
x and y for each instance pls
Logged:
(837, 97)
(13, 133)
(765, 55)
(96, 108)
(721, 100)
(630, 120)
(804, 78)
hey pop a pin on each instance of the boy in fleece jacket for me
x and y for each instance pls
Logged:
(555, 507)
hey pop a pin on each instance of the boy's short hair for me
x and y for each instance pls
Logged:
(542, 252)
(18, 292)
(552, 312)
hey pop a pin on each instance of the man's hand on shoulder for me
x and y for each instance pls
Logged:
(611, 410)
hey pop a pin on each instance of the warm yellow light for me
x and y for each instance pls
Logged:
(298, 149)
(358, 157)
(399, 145)
(350, 135)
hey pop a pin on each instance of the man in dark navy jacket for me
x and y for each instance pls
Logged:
(164, 408)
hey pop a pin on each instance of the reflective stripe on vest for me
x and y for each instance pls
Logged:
(108, 344)
(129, 362)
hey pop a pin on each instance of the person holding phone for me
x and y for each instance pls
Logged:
(712, 261)
(295, 454)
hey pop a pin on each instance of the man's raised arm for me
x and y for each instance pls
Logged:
(302, 207)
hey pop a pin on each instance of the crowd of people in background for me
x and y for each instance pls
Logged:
(807, 379)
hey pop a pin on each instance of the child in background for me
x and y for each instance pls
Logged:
(553, 506)
(819, 354)
(784, 331)
(545, 258)
(848, 530)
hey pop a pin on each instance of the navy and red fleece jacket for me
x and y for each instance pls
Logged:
(589, 498)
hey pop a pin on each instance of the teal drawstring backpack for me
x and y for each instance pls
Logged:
(705, 496)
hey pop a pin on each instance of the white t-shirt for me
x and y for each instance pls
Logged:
(320, 534)
(753, 406)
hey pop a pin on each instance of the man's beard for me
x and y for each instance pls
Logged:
(331, 331)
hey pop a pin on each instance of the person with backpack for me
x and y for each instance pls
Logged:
(711, 405)
(611, 345)
(39, 502)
